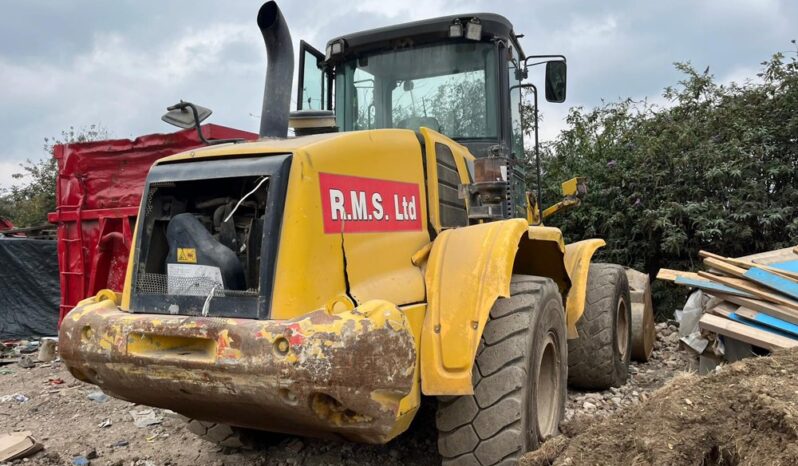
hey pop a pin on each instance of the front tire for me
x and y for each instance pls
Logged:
(599, 358)
(519, 376)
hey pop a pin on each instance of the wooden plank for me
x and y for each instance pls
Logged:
(772, 280)
(670, 275)
(724, 310)
(745, 264)
(725, 267)
(732, 312)
(757, 291)
(731, 281)
(768, 321)
(710, 286)
(769, 257)
(786, 266)
(762, 306)
(745, 333)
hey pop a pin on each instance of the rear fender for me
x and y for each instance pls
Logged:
(577, 263)
(467, 270)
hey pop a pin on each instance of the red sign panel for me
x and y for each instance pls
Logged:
(353, 204)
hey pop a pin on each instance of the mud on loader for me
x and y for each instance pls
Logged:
(321, 284)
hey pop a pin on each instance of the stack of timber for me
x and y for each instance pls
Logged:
(756, 297)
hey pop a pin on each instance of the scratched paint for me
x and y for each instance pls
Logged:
(343, 373)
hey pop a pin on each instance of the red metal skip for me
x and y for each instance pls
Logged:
(97, 199)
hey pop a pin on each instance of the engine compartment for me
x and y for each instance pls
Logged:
(205, 237)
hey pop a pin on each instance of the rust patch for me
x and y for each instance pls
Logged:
(320, 375)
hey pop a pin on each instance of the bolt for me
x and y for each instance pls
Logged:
(281, 345)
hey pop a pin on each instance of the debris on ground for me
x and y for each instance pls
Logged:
(47, 350)
(18, 445)
(146, 417)
(743, 306)
(18, 397)
(742, 413)
(98, 397)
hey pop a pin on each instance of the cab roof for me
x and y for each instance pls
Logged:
(420, 32)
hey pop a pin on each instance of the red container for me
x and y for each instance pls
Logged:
(97, 195)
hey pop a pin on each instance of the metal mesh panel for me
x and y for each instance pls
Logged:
(160, 284)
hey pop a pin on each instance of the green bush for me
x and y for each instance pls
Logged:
(715, 168)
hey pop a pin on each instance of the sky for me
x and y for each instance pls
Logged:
(120, 64)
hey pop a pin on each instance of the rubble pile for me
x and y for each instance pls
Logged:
(742, 307)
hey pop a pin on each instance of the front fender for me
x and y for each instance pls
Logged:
(577, 263)
(467, 270)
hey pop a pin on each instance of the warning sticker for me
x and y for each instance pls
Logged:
(353, 204)
(187, 255)
(193, 280)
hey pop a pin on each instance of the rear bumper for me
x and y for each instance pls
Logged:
(319, 375)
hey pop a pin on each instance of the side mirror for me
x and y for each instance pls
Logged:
(186, 115)
(556, 74)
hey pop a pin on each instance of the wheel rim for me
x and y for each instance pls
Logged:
(622, 329)
(548, 388)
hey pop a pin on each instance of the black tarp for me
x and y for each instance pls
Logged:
(29, 288)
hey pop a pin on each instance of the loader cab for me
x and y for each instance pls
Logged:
(458, 75)
(461, 76)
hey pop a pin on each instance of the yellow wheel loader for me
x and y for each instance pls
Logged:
(321, 283)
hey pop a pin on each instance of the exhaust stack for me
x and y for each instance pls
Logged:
(279, 71)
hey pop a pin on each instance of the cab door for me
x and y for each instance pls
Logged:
(314, 85)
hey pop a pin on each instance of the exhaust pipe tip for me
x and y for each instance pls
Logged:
(279, 71)
(268, 14)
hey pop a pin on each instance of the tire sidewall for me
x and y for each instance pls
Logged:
(621, 361)
(547, 320)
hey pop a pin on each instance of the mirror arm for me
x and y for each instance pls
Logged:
(543, 59)
(182, 106)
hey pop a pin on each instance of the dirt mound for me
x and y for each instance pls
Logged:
(745, 413)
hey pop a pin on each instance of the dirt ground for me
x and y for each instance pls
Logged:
(70, 424)
(742, 414)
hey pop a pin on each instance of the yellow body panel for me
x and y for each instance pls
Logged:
(444, 288)
(310, 262)
(577, 261)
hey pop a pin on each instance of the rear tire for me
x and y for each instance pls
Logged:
(599, 358)
(519, 378)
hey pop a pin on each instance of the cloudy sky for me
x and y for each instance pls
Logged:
(119, 64)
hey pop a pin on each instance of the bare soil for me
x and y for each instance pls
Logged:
(741, 414)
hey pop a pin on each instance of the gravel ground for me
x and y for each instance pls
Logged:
(59, 412)
(666, 361)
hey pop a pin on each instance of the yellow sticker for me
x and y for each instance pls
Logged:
(188, 255)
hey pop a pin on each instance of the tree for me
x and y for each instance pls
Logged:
(28, 202)
(715, 169)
